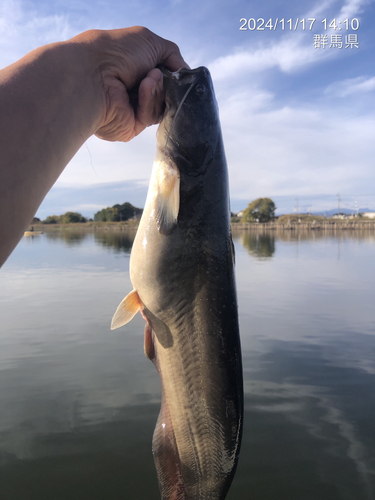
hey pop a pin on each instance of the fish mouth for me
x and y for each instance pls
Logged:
(187, 77)
(171, 142)
(183, 76)
(193, 77)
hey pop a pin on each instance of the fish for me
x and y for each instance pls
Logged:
(182, 271)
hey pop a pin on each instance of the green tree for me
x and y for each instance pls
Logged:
(100, 216)
(128, 211)
(71, 217)
(52, 219)
(118, 213)
(109, 214)
(259, 210)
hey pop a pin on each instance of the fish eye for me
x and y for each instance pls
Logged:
(199, 89)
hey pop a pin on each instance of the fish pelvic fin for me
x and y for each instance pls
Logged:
(168, 196)
(149, 343)
(127, 309)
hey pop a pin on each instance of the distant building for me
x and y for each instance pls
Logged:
(340, 216)
(370, 215)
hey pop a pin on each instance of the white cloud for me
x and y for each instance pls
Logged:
(22, 30)
(349, 9)
(101, 161)
(305, 148)
(319, 8)
(352, 8)
(290, 54)
(295, 150)
(351, 86)
(271, 150)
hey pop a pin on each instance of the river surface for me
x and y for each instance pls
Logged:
(79, 402)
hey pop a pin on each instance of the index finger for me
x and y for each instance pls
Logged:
(172, 58)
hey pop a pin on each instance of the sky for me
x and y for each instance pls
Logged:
(296, 97)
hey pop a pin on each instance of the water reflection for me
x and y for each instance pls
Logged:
(78, 402)
(96, 462)
(316, 418)
(118, 241)
(71, 237)
(260, 245)
(303, 234)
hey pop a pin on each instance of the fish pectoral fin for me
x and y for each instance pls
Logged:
(168, 197)
(127, 309)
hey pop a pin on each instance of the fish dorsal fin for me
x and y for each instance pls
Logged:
(167, 197)
(127, 309)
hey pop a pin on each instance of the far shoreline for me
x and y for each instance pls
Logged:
(132, 225)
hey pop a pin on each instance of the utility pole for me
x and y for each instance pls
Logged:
(338, 202)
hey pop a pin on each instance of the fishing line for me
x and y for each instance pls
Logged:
(92, 165)
(179, 107)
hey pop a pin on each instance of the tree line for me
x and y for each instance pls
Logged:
(117, 213)
(67, 218)
(259, 210)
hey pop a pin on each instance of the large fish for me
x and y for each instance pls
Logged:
(182, 270)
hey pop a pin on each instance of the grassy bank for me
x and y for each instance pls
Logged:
(313, 224)
(322, 225)
(115, 226)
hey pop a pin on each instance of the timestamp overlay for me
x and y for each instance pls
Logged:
(337, 34)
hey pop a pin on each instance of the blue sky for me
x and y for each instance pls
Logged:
(298, 120)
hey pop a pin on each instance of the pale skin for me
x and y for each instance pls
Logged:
(57, 96)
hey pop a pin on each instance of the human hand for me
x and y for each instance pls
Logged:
(132, 86)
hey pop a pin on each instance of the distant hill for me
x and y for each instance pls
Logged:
(118, 213)
(329, 213)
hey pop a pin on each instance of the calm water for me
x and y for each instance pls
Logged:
(78, 402)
